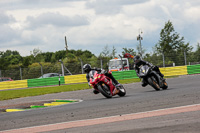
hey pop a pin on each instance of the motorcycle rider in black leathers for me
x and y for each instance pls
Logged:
(87, 68)
(138, 62)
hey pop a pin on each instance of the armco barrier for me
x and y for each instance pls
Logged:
(45, 81)
(13, 84)
(193, 69)
(80, 78)
(167, 71)
(174, 71)
(124, 74)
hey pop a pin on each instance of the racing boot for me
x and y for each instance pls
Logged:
(118, 85)
(162, 76)
(144, 83)
(95, 91)
(115, 82)
(158, 71)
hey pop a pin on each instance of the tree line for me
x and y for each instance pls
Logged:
(171, 48)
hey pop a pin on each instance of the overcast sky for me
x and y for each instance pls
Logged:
(93, 24)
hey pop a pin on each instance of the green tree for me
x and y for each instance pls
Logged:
(71, 56)
(60, 54)
(11, 57)
(182, 51)
(26, 61)
(105, 52)
(40, 58)
(113, 53)
(53, 59)
(129, 50)
(154, 58)
(86, 54)
(36, 51)
(4, 63)
(170, 44)
(195, 56)
(48, 56)
(197, 53)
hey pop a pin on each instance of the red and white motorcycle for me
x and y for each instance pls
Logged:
(104, 85)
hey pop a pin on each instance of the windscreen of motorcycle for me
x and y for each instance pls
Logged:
(144, 70)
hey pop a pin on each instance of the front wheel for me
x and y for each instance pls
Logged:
(165, 85)
(122, 91)
(152, 81)
(105, 90)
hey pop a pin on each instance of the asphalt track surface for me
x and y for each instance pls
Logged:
(183, 92)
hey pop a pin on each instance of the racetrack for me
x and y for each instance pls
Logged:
(182, 91)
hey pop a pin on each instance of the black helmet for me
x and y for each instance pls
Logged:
(137, 59)
(87, 68)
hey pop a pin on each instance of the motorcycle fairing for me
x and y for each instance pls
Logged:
(145, 70)
(100, 79)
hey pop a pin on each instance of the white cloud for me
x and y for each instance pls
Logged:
(92, 24)
(193, 14)
(57, 20)
(110, 7)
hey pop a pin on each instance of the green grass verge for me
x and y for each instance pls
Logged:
(11, 94)
(127, 81)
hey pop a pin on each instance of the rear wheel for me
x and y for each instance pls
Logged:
(122, 91)
(152, 81)
(105, 91)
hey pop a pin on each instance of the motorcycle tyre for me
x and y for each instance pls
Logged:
(104, 92)
(165, 85)
(121, 93)
(153, 84)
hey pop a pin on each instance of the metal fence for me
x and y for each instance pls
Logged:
(62, 68)
(174, 59)
(75, 67)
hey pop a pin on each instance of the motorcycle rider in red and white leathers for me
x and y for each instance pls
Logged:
(87, 69)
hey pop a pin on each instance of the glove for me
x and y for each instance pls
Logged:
(138, 75)
(103, 71)
(152, 67)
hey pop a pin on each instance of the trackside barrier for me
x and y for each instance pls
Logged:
(13, 84)
(45, 81)
(124, 74)
(193, 69)
(174, 71)
(81, 78)
(167, 71)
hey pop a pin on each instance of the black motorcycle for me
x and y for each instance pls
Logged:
(152, 78)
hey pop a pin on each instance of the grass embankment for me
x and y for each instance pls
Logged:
(11, 94)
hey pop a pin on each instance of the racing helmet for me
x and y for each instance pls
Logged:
(87, 68)
(137, 59)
